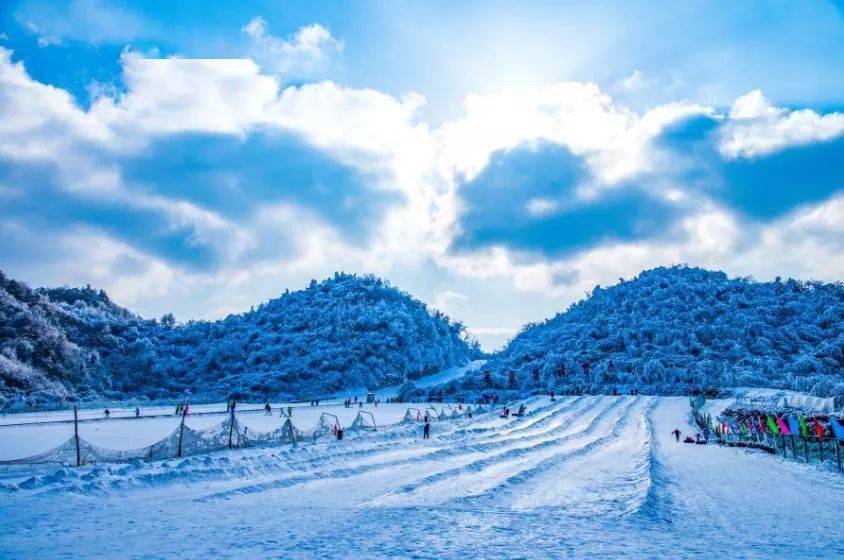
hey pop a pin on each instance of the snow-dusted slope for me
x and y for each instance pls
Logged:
(598, 476)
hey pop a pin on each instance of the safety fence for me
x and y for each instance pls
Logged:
(185, 441)
(792, 436)
(431, 414)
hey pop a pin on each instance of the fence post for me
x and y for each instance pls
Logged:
(838, 453)
(231, 425)
(820, 446)
(793, 449)
(76, 435)
(182, 430)
(805, 448)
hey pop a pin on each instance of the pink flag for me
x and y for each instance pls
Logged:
(784, 429)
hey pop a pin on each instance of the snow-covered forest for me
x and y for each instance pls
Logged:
(348, 331)
(668, 331)
(681, 329)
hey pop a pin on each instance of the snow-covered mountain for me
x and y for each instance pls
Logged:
(348, 331)
(679, 329)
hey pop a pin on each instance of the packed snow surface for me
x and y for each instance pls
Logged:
(594, 476)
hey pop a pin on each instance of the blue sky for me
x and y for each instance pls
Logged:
(497, 160)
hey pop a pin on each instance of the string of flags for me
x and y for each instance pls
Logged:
(775, 425)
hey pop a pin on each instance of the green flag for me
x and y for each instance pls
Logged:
(804, 429)
(772, 425)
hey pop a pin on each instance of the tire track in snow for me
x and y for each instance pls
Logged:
(451, 451)
(656, 503)
(512, 482)
(370, 447)
(510, 453)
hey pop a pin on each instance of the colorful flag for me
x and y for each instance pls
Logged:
(837, 428)
(794, 426)
(773, 426)
(783, 426)
(804, 429)
(819, 429)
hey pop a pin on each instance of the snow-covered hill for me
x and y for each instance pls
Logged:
(68, 344)
(584, 476)
(673, 331)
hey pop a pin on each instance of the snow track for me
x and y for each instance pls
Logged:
(585, 475)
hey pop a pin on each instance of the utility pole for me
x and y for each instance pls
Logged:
(76, 435)
(182, 427)
(231, 425)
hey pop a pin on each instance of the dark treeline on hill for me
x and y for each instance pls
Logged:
(679, 330)
(69, 344)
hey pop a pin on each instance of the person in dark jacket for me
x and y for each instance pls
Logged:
(426, 430)
(676, 434)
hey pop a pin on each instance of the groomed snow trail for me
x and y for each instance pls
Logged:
(582, 476)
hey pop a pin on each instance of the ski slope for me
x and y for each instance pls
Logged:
(594, 476)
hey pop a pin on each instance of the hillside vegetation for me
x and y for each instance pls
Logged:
(348, 331)
(680, 329)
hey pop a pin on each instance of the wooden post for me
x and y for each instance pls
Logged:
(76, 435)
(793, 449)
(182, 429)
(805, 448)
(820, 446)
(838, 453)
(231, 425)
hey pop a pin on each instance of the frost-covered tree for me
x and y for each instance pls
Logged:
(348, 331)
(680, 329)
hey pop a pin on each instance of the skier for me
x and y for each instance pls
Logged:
(426, 429)
(360, 404)
(505, 413)
(228, 406)
(178, 409)
(290, 412)
(137, 412)
(553, 398)
(268, 410)
(521, 410)
(676, 434)
(107, 413)
(356, 400)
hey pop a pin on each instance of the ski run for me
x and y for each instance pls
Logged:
(579, 476)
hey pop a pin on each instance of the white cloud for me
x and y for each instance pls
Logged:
(614, 140)
(304, 55)
(450, 300)
(755, 127)
(188, 95)
(633, 81)
(542, 206)
(38, 121)
(280, 245)
(48, 41)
